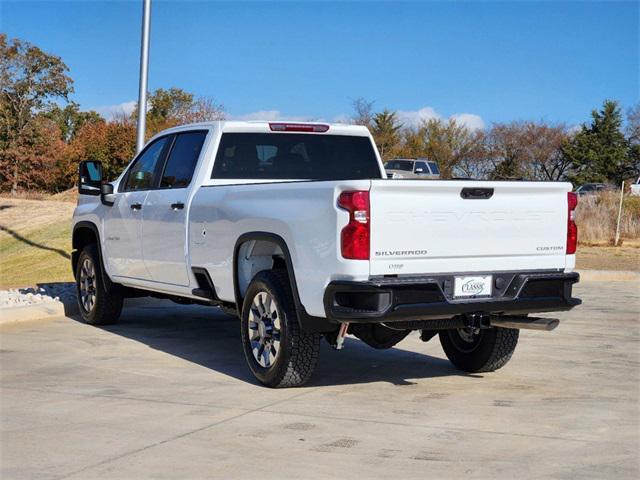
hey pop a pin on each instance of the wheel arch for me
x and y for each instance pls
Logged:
(86, 233)
(307, 322)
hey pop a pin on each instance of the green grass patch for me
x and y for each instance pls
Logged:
(35, 255)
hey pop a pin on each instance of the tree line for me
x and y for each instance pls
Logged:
(601, 150)
(44, 134)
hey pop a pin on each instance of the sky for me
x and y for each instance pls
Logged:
(478, 62)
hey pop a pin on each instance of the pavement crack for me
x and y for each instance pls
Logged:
(182, 435)
(433, 427)
(121, 397)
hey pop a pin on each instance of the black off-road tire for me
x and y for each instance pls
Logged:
(298, 351)
(490, 349)
(107, 305)
(378, 336)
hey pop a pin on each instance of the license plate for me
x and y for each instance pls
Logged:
(479, 286)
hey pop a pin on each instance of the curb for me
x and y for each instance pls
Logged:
(54, 309)
(609, 276)
(32, 312)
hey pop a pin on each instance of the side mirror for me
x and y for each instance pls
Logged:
(89, 177)
(106, 194)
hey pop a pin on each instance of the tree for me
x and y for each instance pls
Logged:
(527, 150)
(449, 144)
(543, 159)
(505, 148)
(633, 137)
(30, 81)
(363, 112)
(600, 151)
(113, 143)
(70, 119)
(386, 132)
(168, 108)
(633, 124)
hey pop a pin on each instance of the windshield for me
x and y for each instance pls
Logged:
(295, 156)
(406, 165)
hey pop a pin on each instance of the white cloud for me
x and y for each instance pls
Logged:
(342, 118)
(574, 129)
(414, 118)
(259, 115)
(111, 111)
(469, 120)
(272, 115)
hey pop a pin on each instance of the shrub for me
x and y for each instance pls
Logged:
(596, 217)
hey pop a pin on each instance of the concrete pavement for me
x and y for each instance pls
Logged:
(166, 394)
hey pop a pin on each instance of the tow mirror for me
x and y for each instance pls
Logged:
(90, 177)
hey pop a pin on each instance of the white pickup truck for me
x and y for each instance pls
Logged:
(294, 228)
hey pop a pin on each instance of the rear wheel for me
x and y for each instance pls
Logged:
(97, 305)
(479, 350)
(278, 352)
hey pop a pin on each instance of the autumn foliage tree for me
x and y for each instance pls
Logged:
(447, 142)
(527, 150)
(174, 106)
(385, 129)
(112, 143)
(30, 82)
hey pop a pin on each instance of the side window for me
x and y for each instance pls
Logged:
(422, 166)
(182, 160)
(434, 168)
(141, 174)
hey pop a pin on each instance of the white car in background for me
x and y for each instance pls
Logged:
(412, 168)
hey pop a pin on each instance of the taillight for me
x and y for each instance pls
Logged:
(572, 228)
(355, 236)
(298, 127)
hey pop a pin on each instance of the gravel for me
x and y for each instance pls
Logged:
(43, 293)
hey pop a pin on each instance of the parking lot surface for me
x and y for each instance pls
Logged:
(165, 393)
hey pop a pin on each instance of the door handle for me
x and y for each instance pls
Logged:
(476, 193)
(136, 206)
(177, 206)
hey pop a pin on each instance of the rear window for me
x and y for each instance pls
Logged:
(399, 165)
(294, 156)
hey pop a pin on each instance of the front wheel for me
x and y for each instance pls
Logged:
(479, 350)
(278, 352)
(97, 305)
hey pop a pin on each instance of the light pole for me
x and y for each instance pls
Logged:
(144, 70)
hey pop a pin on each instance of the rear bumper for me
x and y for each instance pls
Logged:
(431, 297)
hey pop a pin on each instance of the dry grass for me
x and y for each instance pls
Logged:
(625, 258)
(596, 217)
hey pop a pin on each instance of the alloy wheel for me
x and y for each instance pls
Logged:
(88, 285)
(264, 329)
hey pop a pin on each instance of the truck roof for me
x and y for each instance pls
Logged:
(263, 126)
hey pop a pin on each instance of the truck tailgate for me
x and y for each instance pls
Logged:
(424, 227)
